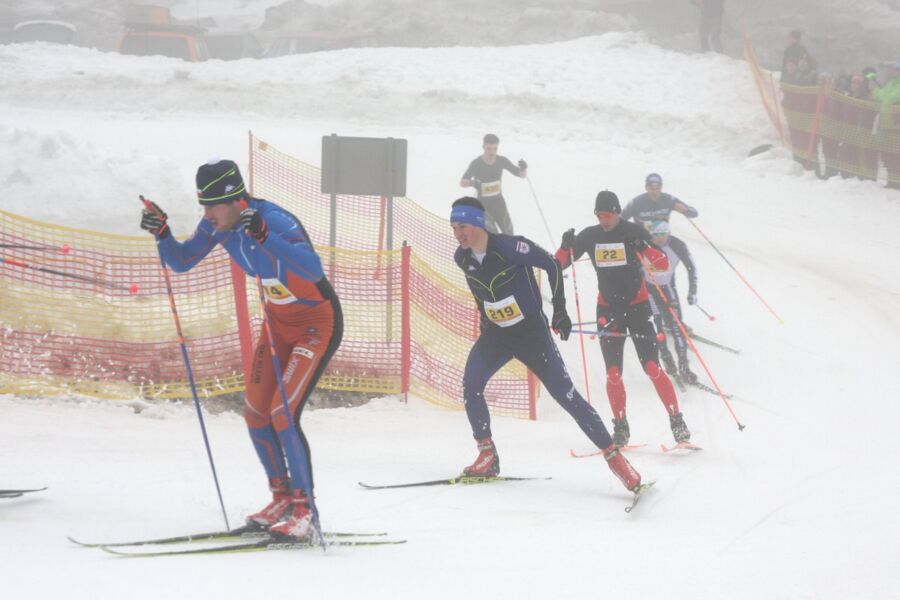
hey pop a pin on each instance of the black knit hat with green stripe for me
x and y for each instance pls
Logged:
(219, 181)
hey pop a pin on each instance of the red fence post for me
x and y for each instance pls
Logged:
(405, 337)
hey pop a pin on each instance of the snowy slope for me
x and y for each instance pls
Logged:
(796, 506)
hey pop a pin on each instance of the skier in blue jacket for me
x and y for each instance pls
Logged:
(305, 314)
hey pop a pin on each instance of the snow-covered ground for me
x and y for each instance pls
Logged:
(799, 505)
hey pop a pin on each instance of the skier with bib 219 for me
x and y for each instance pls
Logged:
(498, 269)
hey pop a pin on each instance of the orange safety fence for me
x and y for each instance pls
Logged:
(443, 320)
(87, 313)
(829, 130)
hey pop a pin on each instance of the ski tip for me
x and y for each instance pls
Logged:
(680, 446)
(639, 491)
(79, 543)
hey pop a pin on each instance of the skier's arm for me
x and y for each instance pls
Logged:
(288, 243)
(648, 251)
(182, 256)
(569, 248)
(519, 171)
(629, 212)
(468, 179)
(688, 211)
(527, 253)
(681, 250)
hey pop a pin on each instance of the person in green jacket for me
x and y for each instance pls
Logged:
(889, 126)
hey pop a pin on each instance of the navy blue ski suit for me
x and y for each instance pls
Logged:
(513, 326)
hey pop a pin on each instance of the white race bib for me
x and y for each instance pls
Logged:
(610, 255)
(490, 188)
(504, 312)
(276, 292)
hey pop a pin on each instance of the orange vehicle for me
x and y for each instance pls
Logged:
(150, 31)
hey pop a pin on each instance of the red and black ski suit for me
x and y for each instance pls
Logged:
(623, 307)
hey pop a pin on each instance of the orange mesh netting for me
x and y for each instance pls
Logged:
(829, 130)
(72, 323)
(443, 321)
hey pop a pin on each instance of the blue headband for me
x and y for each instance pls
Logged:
(470, 215)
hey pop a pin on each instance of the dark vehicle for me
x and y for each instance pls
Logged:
(233, 45)
(55, 32)
(174, 40)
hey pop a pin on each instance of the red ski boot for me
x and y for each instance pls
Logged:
(276, 509)
(621, 468)
(488, 462)
(297, 524)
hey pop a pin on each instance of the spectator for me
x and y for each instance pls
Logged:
(860, 152)
(807, 72)
(711, 12)
(789, 72)
(793, 51)
(889, 125)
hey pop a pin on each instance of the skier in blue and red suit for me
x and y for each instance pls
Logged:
(617, 249)
(307, 325)
(498, 269)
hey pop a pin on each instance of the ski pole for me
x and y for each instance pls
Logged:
(587, 382)
(133, 288)
(709, 316)
(687, 337)
(543, 218)
(293, 432)
(613, 334)
(738, 273)
(190, 373)
(65, 248)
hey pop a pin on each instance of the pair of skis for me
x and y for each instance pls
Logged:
(469, 480)
(19, 493)
(628, 448)
(239, 540)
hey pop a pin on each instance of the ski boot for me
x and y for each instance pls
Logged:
(679, 430)
(684, 371)
(297, 523)
(488, 462)
(621, 468)
(621, 433)
(277, 508)
(668, 363)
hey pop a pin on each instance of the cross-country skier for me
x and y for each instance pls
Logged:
(664, 281)
(655, 205)
(484, 174)
(271, 243)
(498, 269)
(617, 249)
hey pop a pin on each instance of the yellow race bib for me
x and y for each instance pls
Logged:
(504, 312)
(276, 292)
(610, 255)
(490, 188)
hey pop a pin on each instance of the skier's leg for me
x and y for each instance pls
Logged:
(542, 357)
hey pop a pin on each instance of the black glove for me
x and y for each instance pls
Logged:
(254, 224)
(153, 219)
(568, 239)
(692, 294)
(561, 323)
(522, 164)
